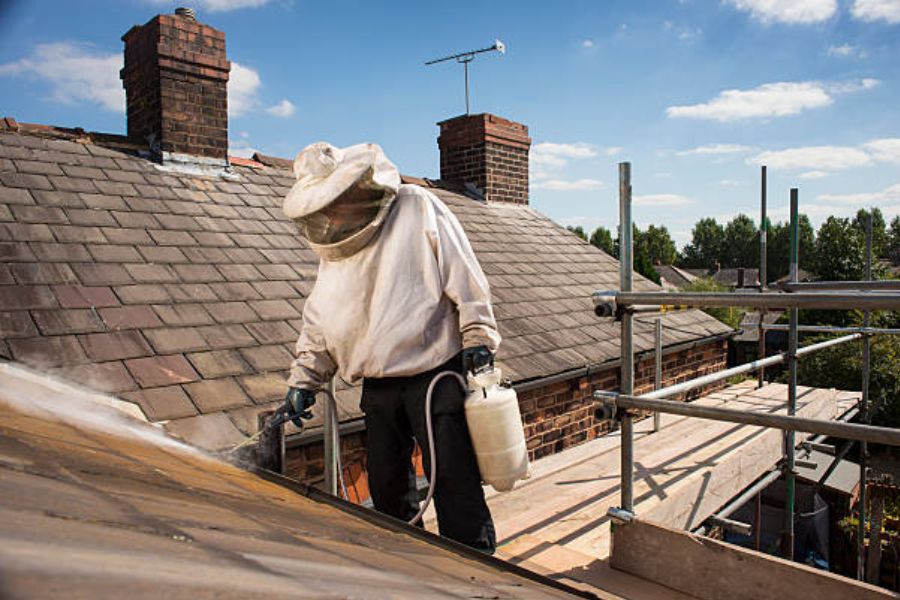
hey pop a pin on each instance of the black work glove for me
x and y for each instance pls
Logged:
(477, 359)
(297, 404)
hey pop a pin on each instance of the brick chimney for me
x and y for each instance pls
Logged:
(175, 79)
(489, 152)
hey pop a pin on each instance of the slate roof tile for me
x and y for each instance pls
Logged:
(163, 403)
(116, 345)
(183, 314)
(16, 324)
(111, 377)
(142, 293)
(267, 358)
(170, 340)
(60, 199)
(264, 388)
(103, 201)
(78, 296)
(48, 351)
(212, 395)
(219, 363)
(117, 235)
(42, 273)
(68, 321)
(158, 371)
(226, 336)
(129, 317)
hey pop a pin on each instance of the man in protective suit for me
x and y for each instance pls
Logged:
(399, 298)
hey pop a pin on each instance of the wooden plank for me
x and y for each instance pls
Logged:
(711, 570)
(684, 473)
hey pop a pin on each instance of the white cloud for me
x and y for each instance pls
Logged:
(768, 100)
(820, 159)
(567, 186)
(890, 194)
(587, 43)
(283, 109)
(729, 182)
(661, 200)
(884, 150)
(715, 149)
(75, 72)
(243, 90)
(876, 10)
(831, 158)
(612, 150)
(241, 148)
(843, 50)
(788, 11)
(222, 5)
(551, 153)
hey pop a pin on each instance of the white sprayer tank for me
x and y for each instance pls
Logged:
(495, 425)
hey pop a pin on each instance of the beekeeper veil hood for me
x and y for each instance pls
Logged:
(341, 196)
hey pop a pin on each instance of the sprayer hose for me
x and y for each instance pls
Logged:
(432, 477)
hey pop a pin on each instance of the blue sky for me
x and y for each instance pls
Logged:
(695, 93)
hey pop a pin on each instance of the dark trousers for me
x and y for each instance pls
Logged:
(395, 416)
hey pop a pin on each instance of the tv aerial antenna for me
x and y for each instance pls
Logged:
(465, 58)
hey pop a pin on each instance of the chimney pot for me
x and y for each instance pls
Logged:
(188, 13)
(488, 152)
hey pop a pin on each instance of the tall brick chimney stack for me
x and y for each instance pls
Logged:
(175, 79)
(489, 152)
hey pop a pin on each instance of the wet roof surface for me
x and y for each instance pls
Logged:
(184, 293)
(93, 504)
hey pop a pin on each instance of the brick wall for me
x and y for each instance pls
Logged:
(489, 152)
(175, 78)
(556, 416)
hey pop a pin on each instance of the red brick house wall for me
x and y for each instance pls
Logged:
(556, 416)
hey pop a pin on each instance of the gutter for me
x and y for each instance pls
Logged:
(531, 384)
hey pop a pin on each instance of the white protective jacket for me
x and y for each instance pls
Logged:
(404, 304)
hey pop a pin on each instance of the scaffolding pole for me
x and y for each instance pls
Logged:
(790, 476)
(657, 368)
(763, 273)
(835, 329)
(838, 429)
(626, 263)
(331, 441)
(864, 417)
(883, 285)
(811, 300)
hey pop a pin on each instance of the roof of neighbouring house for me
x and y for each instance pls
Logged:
(750, 325)
(675, 277)
(184, 293)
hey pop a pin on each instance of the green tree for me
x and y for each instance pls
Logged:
(839, 251)
(879, 231)
(643, 261)
(841, 367)
(731, 316)
(894, 241)
(602, 238)
(778, 250)
(659, 245)
(741, 243)
(707, 239)
(579, 231)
